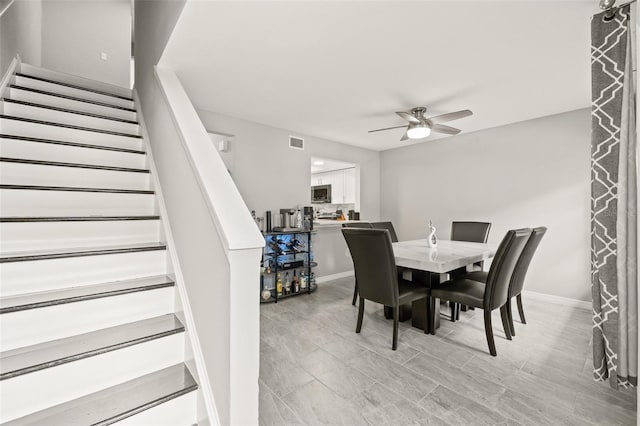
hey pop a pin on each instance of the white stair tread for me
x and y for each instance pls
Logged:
(75, 86)
(32, 358)
(73, 98)
(76, 252)
(77, 294)
(74, 144)
(117, 402)
(67, 110)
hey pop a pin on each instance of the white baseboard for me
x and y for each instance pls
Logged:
(331, 277)
(564, 301)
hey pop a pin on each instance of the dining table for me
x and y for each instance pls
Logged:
(427, 264)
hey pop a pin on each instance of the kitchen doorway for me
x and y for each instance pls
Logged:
(335, 188)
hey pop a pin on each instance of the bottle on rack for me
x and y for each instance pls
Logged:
(303, 281)
(287, 283)
(295, 285)
(298, 219)
(279, 284)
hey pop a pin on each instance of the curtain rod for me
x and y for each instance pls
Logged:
(610, 8)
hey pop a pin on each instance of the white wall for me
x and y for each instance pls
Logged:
(533, 173)
(201, 254)
(20, 33)
(75, 33)
(271, 176)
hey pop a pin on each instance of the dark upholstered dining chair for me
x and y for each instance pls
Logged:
(389, 227)
(517, 279)
(474, 232)
(366, 225)
(490, 296)
(376, 275)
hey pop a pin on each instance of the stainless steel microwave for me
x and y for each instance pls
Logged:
(321, 194)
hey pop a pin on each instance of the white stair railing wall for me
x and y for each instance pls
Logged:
(217, 246)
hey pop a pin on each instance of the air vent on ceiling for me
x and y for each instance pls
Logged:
(296, 143)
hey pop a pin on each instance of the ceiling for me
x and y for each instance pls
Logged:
(335, 70)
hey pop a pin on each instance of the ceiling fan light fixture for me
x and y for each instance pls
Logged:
(418, 130)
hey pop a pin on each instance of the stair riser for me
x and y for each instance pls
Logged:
(36, 391)
(179, 411)
(36, 113)
(33, 326)
(63, 90)
(23, 236)
(21, 128)
(24, 203)
(39, 98)
(12, 148)
(48, 74)
(44, 275)
(36, 174)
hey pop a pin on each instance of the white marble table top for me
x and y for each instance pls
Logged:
(447, 256)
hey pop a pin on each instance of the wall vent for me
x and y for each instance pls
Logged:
(296, 143)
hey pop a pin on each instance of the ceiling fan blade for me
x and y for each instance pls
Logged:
(408, 116)
(405, 136)
(447, 130)
(387, 128)
(450, 116)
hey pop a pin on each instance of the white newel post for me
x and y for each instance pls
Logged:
(244, 335)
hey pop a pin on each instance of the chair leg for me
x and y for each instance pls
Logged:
(454, 310)
(505, 321)
(464, 308)
(510, 316)
(489, 332)
(396, 320)
(520, 310)
(458, 311)
(355, 294)
(360, 315)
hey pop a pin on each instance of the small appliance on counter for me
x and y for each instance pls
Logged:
(268, 221)
(287, 221)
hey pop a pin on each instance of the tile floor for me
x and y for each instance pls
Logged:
(314, 368)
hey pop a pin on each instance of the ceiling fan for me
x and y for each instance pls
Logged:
(420, 127)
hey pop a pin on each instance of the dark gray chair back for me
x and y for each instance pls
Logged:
(475, 232)
(357, 225)
(389, 227)
(517, 281)
(374, 264)
(497, 287)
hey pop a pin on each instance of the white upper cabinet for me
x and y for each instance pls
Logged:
(349, 186)
(337, 187)
(343, 184)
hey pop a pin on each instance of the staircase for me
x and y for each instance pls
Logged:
(89, 332)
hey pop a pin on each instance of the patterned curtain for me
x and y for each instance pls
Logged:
(614, 246)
